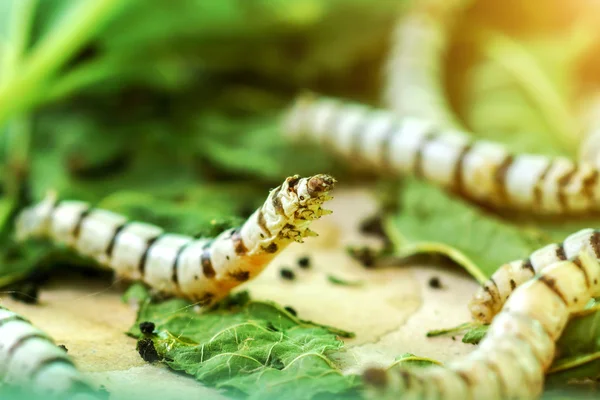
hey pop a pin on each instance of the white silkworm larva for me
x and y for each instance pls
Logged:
(30, 359)
(203, 270)
(414, 71)
(589, 149)
(480, 170)
(519, 347)
(490, 298)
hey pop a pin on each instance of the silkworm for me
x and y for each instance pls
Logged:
(482, 171)
(589, 148)
(414, 71)
(519, 347)
(203, 270)
(490, 298)
(30, 359)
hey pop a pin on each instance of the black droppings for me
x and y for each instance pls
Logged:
(287, 273)
(435, 282)
(27, 293)
(62, 346)
(147, 327)
(453, 337)
(364, 255)
(290, 310)
(147, 351)
(373, 226)
(304, 262)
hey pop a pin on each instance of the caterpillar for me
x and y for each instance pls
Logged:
(30, 359)
(490, 298)
(519, 347)
(482, 171)
(589, 148)
(203, 270)
(414, 69)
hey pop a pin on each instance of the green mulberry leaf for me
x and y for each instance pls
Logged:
(252, 348)
(432, 221)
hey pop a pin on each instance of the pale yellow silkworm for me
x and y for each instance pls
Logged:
(490, 298)
(415, 71)
(480, 170)
(519, 347)
(30, 359)
(203, 270)
(589, 148)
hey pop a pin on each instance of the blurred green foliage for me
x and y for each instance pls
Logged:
(520, 73)
(168, 111)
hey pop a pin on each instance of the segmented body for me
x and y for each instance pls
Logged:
(480, 170)
(203, 270)
(518, 348)
(29, 358)
(490, 298)
(415, 71)
(589, 147)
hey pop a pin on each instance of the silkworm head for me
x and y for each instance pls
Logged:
(314, 190)
(299, 201)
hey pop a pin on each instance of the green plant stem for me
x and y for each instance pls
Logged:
(19, 33)
(573, 362)
(534, 81)
(18, 130)
(73, 81)
(52, 53)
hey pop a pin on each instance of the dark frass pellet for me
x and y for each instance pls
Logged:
(365, 256)
(373, 226)
(62, 346)
(287, 273)
(147, 327)
(304, 262)
(147, 351)
(290, 310)
(435, 283)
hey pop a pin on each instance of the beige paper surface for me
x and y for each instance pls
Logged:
(390, 312)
